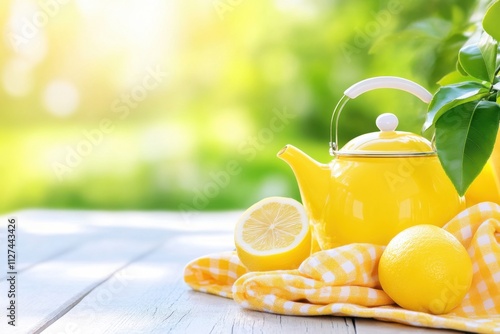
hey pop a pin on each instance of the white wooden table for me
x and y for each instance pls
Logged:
(121, 272)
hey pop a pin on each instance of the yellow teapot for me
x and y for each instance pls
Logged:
(378, 184)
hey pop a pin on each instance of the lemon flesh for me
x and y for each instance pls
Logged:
(273, 234)
(425, 268)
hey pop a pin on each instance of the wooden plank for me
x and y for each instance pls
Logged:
(125, 276)
(200, 313)
(108, 241)
(43, 235)
(48, 290)
(252, 322)
(156, 300)
(38, 241)
(369, 326)
(152, 294)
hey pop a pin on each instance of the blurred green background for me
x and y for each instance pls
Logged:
(183, 105)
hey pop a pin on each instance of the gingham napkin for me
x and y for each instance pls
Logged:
(344, 281)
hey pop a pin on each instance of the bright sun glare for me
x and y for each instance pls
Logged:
(123, 36)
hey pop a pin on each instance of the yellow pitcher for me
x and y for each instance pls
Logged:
(378, 184)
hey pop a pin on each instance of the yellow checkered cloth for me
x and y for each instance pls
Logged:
(343, 281)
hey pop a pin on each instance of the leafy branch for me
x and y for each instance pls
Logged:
(465, 111)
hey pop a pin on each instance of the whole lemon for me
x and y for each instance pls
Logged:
(425, 268)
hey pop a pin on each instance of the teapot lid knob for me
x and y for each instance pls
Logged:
(387, 122)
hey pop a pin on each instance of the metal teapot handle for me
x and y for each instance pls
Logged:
(366, 86)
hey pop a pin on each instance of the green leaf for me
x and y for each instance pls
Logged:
(472, 62)
(460, 69)
(489, 49)
(450, 96)
(455, 77)
(491, 20)
(478, 60)
(465, 136)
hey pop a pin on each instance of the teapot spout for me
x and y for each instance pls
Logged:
(312, 179)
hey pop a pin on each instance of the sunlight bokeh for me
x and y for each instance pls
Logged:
(182, 105)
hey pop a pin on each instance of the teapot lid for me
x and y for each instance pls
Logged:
(388, 142)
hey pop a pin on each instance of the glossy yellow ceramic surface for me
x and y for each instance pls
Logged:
(486, 187)
(388, 142)
(371, 199)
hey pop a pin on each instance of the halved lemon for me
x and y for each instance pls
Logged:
(273, 234)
